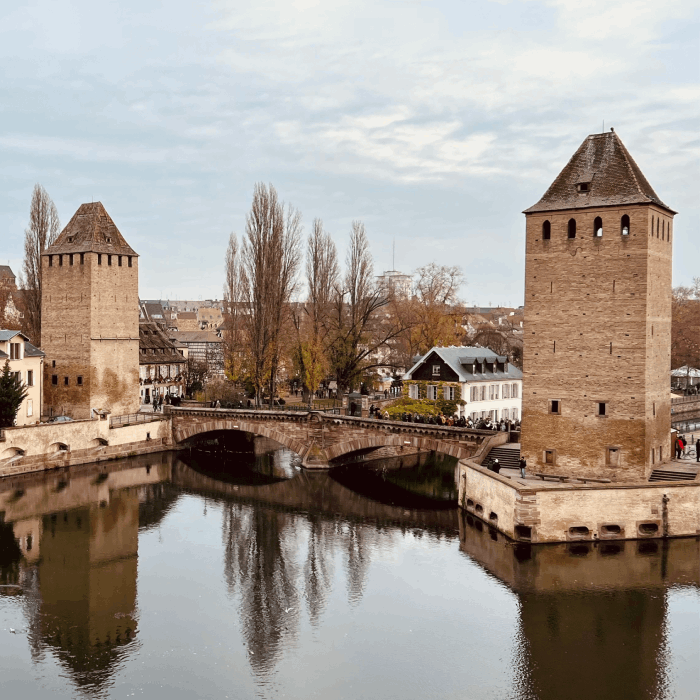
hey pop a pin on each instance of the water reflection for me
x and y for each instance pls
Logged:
(591, 621)
(77, 534)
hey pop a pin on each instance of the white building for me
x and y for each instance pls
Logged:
(27, 364)
(490, 386)
(396, 283)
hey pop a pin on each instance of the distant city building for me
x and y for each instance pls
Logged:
(161, 364)
(490, 386)
(90, 318)
(26, 363)
(396, 283)
(204, 347)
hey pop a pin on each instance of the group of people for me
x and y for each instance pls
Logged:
(457, 421)
(681, 444)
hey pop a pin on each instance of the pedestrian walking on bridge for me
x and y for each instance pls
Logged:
(522, 464)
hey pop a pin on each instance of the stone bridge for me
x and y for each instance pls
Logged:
(323, 440)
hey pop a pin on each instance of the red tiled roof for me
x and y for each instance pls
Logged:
(613, 178)
(91, 230)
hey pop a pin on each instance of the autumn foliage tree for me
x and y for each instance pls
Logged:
(685, 326)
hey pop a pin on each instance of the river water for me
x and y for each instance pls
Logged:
(202, 575)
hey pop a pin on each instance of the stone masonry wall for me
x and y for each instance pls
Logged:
(590, 307)
(90, 329)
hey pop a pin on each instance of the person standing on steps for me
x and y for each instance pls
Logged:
(697, 450)
(522, 464)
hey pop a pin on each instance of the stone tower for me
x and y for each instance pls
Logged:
(597, 350)
(90, 318)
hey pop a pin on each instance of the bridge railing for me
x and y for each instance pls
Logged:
(133, 418)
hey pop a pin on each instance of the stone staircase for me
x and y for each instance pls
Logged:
(508, 457)
(674, 474)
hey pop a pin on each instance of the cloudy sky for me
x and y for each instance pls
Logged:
(434, 122)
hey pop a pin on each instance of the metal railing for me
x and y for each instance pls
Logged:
(134, 418)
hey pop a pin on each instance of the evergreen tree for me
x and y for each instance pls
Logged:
(12, 393)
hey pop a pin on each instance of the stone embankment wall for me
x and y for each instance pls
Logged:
(579, 512)
(52, 445)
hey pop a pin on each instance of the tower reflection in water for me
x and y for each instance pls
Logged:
(592, 621)
(76, 536)
(593, 617)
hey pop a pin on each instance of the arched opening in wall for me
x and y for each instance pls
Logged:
(571, 228)
(625, 225)
(598, 227)
(546, 231)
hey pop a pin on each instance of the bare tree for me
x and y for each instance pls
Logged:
(357, 328)
(44, 227)
(270, 262)
(233, 332)
(310, 319)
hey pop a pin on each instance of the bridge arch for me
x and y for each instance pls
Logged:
(426, 444)
(190, 430)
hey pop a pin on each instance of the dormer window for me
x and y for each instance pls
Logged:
(70, 239)
(436, 370)
(109, 240)
(583, 186)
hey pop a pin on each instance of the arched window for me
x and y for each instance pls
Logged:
(546, 231)
(625, 225)
(598, 227)
(572, 228)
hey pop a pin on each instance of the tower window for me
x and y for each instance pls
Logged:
(602, 408)
(657, 228)
(60, 260)
(572, 228)
(82, 258)
(54, 379)
(555, 407)
(598, 227)
(120, 261)
(50, 260)
(99, 258)
(65, 381)
(546, 231)
(625, 225)
(130, 261)
(70, 259)
(109, 259)
(79, 380)
(663, 230)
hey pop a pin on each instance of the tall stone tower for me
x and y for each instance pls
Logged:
(597, 332)
(90, 318)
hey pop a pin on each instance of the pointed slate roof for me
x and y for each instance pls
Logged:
(91, 230)
(613, 178)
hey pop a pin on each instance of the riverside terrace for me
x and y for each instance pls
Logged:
(322, 440)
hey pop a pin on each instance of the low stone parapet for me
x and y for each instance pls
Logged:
(536, 511)
(53, 445)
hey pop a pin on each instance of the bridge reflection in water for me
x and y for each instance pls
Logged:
(591, 624)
